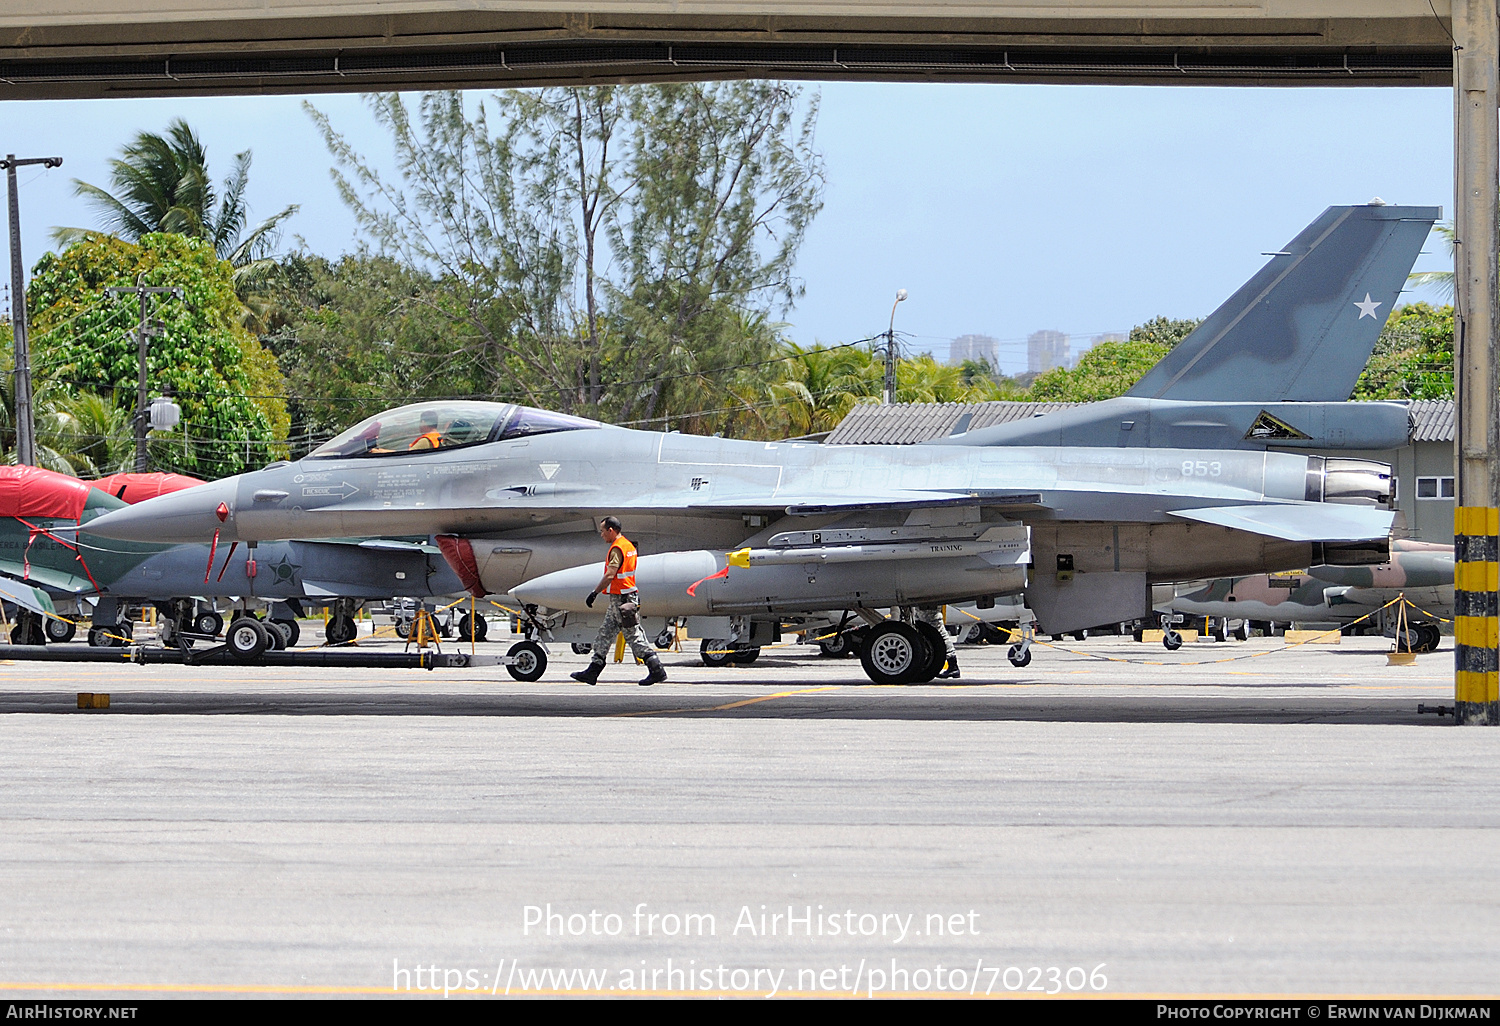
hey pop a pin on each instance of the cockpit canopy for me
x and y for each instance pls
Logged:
(444, 424)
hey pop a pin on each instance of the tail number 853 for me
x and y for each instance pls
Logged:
(1201, 468)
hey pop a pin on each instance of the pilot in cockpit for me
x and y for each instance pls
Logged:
(429, 437)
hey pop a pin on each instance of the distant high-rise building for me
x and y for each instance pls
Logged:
(979, 348)
(1108, 336)
(1045, 350)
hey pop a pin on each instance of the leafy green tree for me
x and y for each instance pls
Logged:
(161, 184)
(1104, 372)
(608, 251)
(1413, 358)
(227, 384)
(1164, 331)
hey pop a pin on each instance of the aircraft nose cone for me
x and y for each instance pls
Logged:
(191, 515)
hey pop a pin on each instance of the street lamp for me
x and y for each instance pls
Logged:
(890, 351)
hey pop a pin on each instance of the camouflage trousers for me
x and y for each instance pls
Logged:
(934, 616)
(620, 617)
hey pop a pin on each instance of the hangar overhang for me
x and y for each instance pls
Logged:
(97, 48)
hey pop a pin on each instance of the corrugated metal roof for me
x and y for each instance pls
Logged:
(1432, 420)
(910, 423)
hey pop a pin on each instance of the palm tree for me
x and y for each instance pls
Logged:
(1443, 281)
(161, 184)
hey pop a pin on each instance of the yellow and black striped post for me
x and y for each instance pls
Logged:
(1476, 583)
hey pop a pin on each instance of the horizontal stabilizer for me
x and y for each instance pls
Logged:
(1304, 326)
(1312, 522)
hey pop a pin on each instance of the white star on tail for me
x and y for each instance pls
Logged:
(1368, 307)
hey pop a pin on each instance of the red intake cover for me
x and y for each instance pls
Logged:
(460, 556)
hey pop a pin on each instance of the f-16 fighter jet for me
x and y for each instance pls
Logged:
(56, 576)
(752, 532)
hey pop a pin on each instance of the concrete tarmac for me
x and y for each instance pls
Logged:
(1282, 823)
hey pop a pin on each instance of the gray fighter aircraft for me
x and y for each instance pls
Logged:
(751, 532)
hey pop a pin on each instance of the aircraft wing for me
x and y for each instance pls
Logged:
(34, 599)
(817, 505)
(1314, 522)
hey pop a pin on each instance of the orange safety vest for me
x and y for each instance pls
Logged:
(624, 580)
(434, 440)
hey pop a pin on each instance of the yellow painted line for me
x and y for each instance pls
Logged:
(729, 705)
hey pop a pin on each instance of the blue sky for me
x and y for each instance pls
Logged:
(1002, 209)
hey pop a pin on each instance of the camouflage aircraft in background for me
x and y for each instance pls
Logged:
(1422, 571)
(54, 576)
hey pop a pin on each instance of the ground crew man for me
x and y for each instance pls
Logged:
(431, 437)
(618, 583)
(934, 616)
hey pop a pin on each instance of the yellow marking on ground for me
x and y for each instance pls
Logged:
(729, 705)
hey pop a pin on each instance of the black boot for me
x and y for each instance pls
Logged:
(654, 672)
(590, 673)
(950, 672)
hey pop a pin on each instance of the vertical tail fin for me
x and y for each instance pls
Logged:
(1303, 327)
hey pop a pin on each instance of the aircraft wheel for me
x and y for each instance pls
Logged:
(580, 648)
(60, 630)
(247, 638)
(403, 629)
(1017, 657)
(937, 653)
(745, 656)
(98, 637)
(1433, 637)
(1080, 635)
(840, 646)
(715, 652)
(894, 653)
(1221, 629)
(479, 624)
(276, 639)
(1171, 641)
(529, 661)
(664, 640)
(1242, 632)
(340, 630)
(28, 629)
(290, 631)
(209, 623)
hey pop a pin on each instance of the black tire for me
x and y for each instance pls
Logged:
(716, 652)
(1138, 634)
(894, 653)
(28, 629)
(480, 625)
(247, 638)
(1221, 629)
(530, 661)
(1242, 632)
(99, 636)
(581, 648)
(60, 631)
(1171, 640)
(1017, 657)
(937, 653)
(209, 623)
(1080, 635)
(290, 630)
(840, 646)
(1434, 636)
(403, 629)
(664, 640)
(340, 630)
(744, 656)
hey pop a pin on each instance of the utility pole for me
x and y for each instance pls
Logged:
(25, 420)
(1476, 527)
(890, 352)
(148, 330)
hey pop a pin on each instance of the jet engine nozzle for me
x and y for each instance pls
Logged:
(1350, 482)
